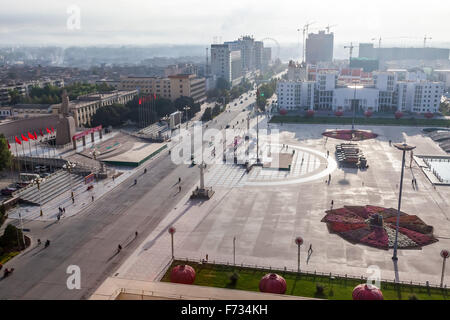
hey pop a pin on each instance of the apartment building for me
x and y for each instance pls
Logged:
(226, 63)
(86, 106)
(147, 85)
(187, 85)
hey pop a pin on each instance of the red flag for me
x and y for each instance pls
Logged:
(53, 130)
(24, 138)
(41, 133)
(48, 131)
(30, 136)
(9, 147)
(140, 101)
(35, 135)
(18, 140)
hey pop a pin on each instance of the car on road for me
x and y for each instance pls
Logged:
(8, 191)
(235, 104)
(227, 126)
(242, 102)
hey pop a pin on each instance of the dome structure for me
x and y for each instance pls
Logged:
(310, 113)
(366, 291)
(283, 112)
(368, 113)
(272, 283)
(184, 274)
(398, 114)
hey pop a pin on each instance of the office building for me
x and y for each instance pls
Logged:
(187, 85)
(319, 47)
(226, 63)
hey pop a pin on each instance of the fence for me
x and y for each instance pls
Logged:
(303, 272)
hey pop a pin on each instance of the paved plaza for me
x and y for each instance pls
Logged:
(267, 209)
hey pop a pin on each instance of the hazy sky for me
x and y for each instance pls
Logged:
(144, 22)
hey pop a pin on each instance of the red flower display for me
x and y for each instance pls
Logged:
(367, 292)
(428, 115)
(398, 114)
(182, 274)
(283, 112)
(350, 135)
(375, 226)
(272, 283)
(310, 113)
(339, 113)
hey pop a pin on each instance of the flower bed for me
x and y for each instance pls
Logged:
(350, 135)
(375, 226)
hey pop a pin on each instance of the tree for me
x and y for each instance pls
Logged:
(207, 114)
(12, 239)
(14, 96)
(5, 154)
(222, 84)
(113, 115)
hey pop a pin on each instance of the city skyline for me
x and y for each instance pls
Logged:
(200, 22)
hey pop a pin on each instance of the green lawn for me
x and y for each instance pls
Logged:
(8, 256)
(301, 285)
(362, 121)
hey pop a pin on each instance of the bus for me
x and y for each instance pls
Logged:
(27, 177)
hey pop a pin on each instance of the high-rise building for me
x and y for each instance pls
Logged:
(367, 50)
(226, 63)
(319, 47)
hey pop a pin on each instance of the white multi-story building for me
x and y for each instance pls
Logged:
(294, 95)
(386, 94)
(226, 63)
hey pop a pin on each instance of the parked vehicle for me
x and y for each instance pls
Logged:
(8, 191)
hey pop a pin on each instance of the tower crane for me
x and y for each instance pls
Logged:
(425, 40)
(305, 32)
(328, 27)
(350, 47)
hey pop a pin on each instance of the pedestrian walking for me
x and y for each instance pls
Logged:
(179, 188)
(64, 210)
(58, 216)
(136, 234)
(113, 178)
(179, 180)
(73, 200)
(310, 250)
(92, 198)
(332, 203)
(206, 257)
(39, 241)
(119, 247)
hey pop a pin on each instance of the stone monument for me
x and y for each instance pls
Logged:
(65, 129)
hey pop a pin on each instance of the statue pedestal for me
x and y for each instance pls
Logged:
(205, 193)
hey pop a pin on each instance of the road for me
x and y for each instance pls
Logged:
(90, 239)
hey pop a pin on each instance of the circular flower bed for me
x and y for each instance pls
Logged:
(375, 227)
(350, 135)
(283, 112)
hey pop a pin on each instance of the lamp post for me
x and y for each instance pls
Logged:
(234, 251)
(354, 102)
(298, 242)
(186, 108)
(403, 147)
(172, 231)
(444, 255)
(38, 181)
(69, 167)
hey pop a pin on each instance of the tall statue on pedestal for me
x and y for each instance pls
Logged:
(65, 129)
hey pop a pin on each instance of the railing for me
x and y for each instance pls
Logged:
(310, 273)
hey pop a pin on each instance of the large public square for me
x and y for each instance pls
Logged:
(266, 210)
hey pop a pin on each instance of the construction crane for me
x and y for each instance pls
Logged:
(379, 41)
(425, 40)
(350, 47)
(305, 32)
(328, 27)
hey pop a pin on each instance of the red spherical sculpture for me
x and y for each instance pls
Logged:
(184, 274)
(339, 113)
(398, 115)
(283, 112)
(368, 113)
(444, 254)
(428, 115)
(367, 292)
(272, 283)
(299, 241)
(310, 113)
(172, 230)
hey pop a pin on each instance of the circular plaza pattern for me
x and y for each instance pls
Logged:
(350, 135)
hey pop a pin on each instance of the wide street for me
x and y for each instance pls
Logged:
(90, 239)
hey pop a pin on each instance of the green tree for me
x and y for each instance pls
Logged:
(207, 114)
(5, 154)
(12, 239)
(14, 96)
(222, 84)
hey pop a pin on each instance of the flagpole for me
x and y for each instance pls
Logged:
(24, 159)
(17, 158)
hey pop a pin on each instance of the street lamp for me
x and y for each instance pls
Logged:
(186, 108)
(403, 147)
(172, 231)
(69, 167)
(298, 242)
(444, 255)
(38, 181)
(234, 251)
(354, 101)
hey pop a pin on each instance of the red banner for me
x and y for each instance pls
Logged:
(85, 133)
(18, 140)
(24, 138)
